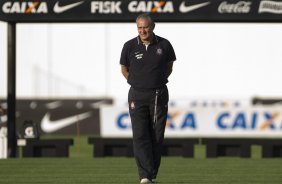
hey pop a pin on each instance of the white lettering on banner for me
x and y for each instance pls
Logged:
(239, 7)
(183, 8)
(202, 122)
(25, 7)
(270, 7)
(62, 8)
(151, 6)
(106, 7)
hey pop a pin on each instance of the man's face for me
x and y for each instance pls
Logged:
(145, 29)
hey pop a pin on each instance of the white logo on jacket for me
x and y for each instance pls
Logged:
(139, 56)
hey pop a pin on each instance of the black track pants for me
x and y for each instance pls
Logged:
(148, 112)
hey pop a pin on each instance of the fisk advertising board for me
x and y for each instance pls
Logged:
(253, 122)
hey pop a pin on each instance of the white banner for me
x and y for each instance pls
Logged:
(260, 122)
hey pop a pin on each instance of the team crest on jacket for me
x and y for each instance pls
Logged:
(159, 51)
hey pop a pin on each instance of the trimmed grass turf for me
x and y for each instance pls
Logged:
(123, 170)
(82, 168)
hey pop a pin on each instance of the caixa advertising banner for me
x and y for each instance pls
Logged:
(58, 116)
(127, 10)
(247, 122)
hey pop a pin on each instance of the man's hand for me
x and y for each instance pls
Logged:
(169, 69)
(124, 71)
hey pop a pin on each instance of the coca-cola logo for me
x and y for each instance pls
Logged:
(239, 7)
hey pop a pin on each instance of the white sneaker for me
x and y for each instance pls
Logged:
(145, 180)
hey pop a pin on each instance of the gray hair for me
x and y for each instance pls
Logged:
(147, 17)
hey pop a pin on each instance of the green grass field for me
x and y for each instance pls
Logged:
(82, 168)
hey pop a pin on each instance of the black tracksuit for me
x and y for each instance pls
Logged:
(148, 98)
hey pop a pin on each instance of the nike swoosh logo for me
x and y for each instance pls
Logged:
(49, 126)
(61, 9)
(185, 9)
